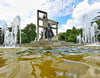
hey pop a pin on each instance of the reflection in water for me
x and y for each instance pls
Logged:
(47, 70)
(2, 61)
(42, 63)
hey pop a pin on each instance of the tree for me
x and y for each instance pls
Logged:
(71, 34)
(1, 37)
(61, 36)
(97, 20)
(28, 33)
(98, 23)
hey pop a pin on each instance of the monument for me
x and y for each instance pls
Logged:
(42, 17)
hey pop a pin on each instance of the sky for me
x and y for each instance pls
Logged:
(68, 13)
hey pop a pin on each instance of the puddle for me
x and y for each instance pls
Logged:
(49, 63)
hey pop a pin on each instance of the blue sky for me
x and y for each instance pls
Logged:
(67, 12)
(63, 19)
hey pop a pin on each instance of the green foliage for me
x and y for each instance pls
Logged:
(28, 33)
(24, 38)
(1, 37)
(18, 36)
(70, 35)
(98, 23)
(98, 38)
(61, 36)
(10, 29)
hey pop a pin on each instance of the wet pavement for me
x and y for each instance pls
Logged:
(47, 62)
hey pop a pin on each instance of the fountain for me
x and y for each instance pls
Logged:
(79, 40)
(10, 36)
(90, 31)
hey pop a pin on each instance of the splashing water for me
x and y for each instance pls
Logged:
(10, 37)
(90, 31)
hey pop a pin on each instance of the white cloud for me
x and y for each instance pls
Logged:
(27, 9)
(59, 7)
(77, 15)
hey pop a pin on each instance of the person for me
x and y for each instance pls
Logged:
(41, 36)
(49, 33)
